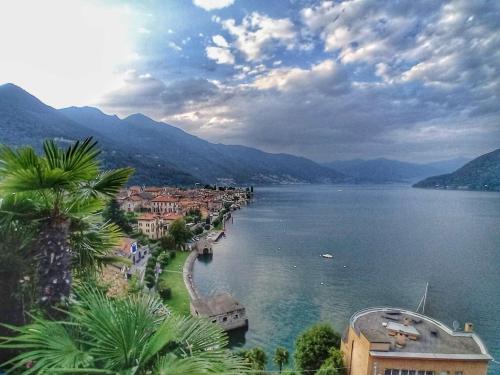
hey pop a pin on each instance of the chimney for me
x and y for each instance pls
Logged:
(469, 327)
(400, 340)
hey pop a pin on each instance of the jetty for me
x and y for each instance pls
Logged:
(222, 309)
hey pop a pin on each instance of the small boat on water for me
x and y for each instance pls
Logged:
(329, 256)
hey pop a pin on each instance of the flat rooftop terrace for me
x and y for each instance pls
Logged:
(432, 337)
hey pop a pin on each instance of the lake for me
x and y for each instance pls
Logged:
(387, 242)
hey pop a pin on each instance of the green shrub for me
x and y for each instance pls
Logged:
(164, 259)
(314, 346)
(165, 293)
(150, 281)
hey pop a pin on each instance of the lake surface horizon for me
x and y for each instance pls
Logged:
(387, 243)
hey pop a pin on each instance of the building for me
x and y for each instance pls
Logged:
(389, 341)
(222, 309)
(150, 225)
(131, 203)
(165, 204)
(155, 226)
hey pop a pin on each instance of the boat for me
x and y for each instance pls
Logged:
(329, 256)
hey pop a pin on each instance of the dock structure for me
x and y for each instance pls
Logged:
(221, 309)
(203, 247)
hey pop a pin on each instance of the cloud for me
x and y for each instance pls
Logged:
(209, 5)
(220, 55)
(220, 41)
(63, 52)
(174, 46)
(414, 81)
(258, 32)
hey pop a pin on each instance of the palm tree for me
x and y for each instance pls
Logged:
(281, 357)
(61, 190)
(256, 358)
(134, 335)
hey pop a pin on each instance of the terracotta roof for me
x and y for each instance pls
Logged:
(164, 198)
(153, 188)
(171, 217)
(135, 198)
(147, 216)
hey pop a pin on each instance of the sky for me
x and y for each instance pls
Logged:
(328, 80)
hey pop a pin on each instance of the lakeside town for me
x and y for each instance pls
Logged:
(165, 223)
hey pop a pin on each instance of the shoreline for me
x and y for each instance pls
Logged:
(188, 268)
(187, 275)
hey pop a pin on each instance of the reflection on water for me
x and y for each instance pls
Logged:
(237, 338)
(387, 243)
(205, 258)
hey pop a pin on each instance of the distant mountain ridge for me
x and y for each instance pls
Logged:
(160, 153)
(482, 173)
(383, 171)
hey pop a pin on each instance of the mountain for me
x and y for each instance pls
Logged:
(160, 153)
(382, 171)
(482, 173)
(25, 120)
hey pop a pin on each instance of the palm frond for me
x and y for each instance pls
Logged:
(12, 160)
(107, 183)
(79, 160)
(92, 244)
(119, 328)
(50, 345)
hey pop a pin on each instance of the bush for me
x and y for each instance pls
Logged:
(198, 230)
(314, 345)
(150, 281)
(165, 293)
(164, 259)
(172, 254)
(334, 364)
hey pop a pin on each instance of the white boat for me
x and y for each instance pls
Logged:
(329, 256)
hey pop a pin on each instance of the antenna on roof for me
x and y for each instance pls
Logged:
(422, 302)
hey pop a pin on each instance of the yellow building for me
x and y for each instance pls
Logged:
(389, 341)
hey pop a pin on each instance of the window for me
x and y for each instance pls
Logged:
(459, 373)
(224, 319)
(444, 373)
(404, 372)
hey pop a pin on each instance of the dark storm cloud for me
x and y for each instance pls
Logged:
(403, 80)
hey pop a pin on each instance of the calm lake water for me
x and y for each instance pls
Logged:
(392, 240)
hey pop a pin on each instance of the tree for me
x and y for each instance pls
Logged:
(334, 364)
(255, 357)
(313, 346)
(167, 242)
(179, 231)
(114, 214)
(59, 190)
(130, 335)
(281, 357)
